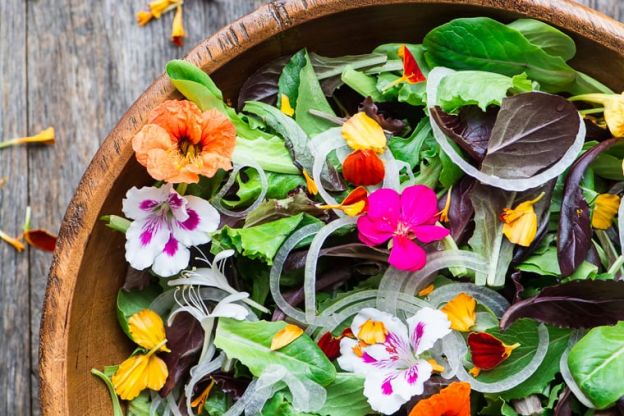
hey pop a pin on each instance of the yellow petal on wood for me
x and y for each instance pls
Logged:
(461, 312)
(363, 133)
(285, 336)
(155, 373)
(147, 329)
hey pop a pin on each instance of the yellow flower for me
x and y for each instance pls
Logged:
(613, 109)
(354, 204)
(285, 336)
(158, 7)
(14, 242)
(363, 133)
(143, 17)
(285, 106)
(43, 137)
(520, 223)
(461, 312)
(605, 208)
(143, 370)
(372, 332)
(177, 29)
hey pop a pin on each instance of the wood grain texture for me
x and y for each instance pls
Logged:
(78, 65)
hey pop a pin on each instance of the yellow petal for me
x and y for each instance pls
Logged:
(158, 7)
(147, 329)
(372, 332)
(363, 133)
(475, 371)
(447, 205)
(426, 290)
(520, 223)
(435, 366)
(200, 401)
(614, 115)
(605, 208)
(354, 209)
(129, 380)
(14, 242)
(143, 17)
(310, 184)
(285, 336)
(43, 137)
(155, 373)
(285, 106)
(509, 349)
(461, 312)
(177, 28)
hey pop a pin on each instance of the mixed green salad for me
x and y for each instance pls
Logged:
(427, 229)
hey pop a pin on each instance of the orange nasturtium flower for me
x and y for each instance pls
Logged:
(411, 71)
(143, 369)
(605, 208)
(453, 400)
(363, 167)
(43, 137)
(487, 351)
(613, 109)
(520, 223)
(461, 312)
(285, 336)
(426, 290)
(354, 204)
(179, 142)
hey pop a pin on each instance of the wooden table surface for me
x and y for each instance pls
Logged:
(75, 65)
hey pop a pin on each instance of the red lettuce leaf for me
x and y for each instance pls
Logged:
(394, 126)
(564, 404)
(461, 211)
(470, 129)
(574, 234)
(577, 304)
(185, 338)
(262, 84)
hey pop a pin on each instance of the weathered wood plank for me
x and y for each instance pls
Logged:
(613, 8)
(14, 289)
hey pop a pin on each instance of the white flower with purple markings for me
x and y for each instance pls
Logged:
(165, 225)
(391, 356)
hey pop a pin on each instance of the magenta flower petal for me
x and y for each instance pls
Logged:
(385, 205)
(419, 205)
(429, 233)
(406, 255)
(373, 232)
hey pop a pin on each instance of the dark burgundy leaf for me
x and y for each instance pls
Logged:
(262, 84)
(296, 260)
(595, 132)
(574, 234)
(516, 278)
(137, 279)
(432, 386)
(230, 384)
(185, 338)
(564, 405)
(532, 132)
(461, 211)
(390, 124)
(578, 304)
(470, 129)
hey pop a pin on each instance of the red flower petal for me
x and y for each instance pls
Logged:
(363, 168)
(411, 70)
(41, 239)
(330, 345)
(487, 351)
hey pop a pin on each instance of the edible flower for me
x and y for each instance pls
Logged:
(285, 336)
(165, 225)
(411, 71)
(520, 223)
(200, 401)
(453, 400)
(605, 208)
(402, 218)
(41, 239)
(395, 366)
(310, 184)
(156, 9)
(12, 241)
(285, 106)
(487, 351)
(363, 167)
(444, 214)
(43, 137)
(461, 311)
(426, 290)
(613, 109)
(177, 27)
(354, 204)
(179, 142)
(144, 369)
(330, 344)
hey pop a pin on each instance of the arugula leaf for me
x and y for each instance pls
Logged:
(577, 304)
(130, 302)
(532, 132)
(290, 78)
(597, 364)
(280, 185)
(271, 154)
(249, 342)
(311, 97)
(484, 44)
(549, 39)
(262, 85)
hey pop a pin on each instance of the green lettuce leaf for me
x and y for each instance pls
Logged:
(311, 97)
(249, 342)
(271, 154)
(345, 397)
(280, 185)
(547, 264)
(409, 149)
(133, 301)
(274, 209)
(140, 406)
(365, 85)
(550, 39)
(289, 80)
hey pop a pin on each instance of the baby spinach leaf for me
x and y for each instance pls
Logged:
(577, 304)
(597, 364)
(310, 96)
(290, 78)
(345, 397)
(546, 264)
(470, 129)
(478, 88)
(532, 131)
(450, 172)
(249, 190)
(262, 85)
(185, 73)
(271, 154)
(249, 342)
(551, 40)
(575, 232)
(484, 44)
(130, 302)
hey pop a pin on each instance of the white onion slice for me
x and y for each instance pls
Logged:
(321, 146)
(567, 375)
(621, 225)
(517, 185)
(392, 178)
(264, 183)
(488, 297)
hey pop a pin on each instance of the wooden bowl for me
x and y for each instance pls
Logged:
(79, 329)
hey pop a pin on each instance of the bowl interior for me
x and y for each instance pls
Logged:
(95, 339)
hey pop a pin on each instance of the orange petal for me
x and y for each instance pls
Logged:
(363, 168)
(354, 204)
(605, 208)
(487, 351)
(285, 336)
(182, 119)
(14, 242)
(41, 239)
(447, 205)
(461, 312)
(143, 17)
(151, 136)
(372, 332)
(361, 132)
(310, 184)
(427, 290)
(177, 30)
(520, 223)
(453, 400)
(411, 70)
(200, 401)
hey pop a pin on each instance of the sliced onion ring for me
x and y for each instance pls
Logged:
(216, 200)
(488, 297)
(567, 375)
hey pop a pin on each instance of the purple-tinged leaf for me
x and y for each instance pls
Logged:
(532, 132)
(595, 132)
(230, 384)
(577, 304)
(296, 260)
(390, 124)
(461, 211)
(470, 129)
(516, 278)
(185, 338)
(564, 405)
(262, 84)
(575, 232)
(137, 279)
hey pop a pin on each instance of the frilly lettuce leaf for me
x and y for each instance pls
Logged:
(280, 185)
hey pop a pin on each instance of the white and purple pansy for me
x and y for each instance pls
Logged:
(165, 225)
(395, 366)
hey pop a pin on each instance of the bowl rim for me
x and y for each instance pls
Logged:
(213, 52)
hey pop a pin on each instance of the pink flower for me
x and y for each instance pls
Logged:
(402, 218)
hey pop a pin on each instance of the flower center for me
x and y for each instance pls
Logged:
(188, 150)
(402, 229)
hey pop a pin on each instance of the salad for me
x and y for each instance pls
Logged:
(427, 229)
